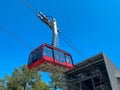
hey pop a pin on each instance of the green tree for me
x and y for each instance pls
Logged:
(2, 84)
(29, 77)
(40, 85)
(25, 79)
(13, 82)
(56, 81)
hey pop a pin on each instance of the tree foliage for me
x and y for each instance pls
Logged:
(56, 81)
(23, 79)
(2, 84)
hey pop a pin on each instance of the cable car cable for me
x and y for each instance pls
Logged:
(73, 46)
(15, 37)
(29, 5)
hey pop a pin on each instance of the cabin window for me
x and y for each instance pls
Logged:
(48, 52)
(34, 56)
(39, 53)
(59, 56)
(30, 59)
(68, 59)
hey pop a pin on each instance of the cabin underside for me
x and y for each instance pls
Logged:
(52, 68)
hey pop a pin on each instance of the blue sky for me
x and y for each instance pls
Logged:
(92, 25)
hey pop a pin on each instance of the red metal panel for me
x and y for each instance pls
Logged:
(48, 58)
(36, 63)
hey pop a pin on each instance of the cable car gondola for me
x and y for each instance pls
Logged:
(50, 59)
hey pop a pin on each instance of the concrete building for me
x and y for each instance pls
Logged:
(95, 73)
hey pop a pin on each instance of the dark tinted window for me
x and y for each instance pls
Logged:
(59, 56)
(47, 52)
(35, 55)
(39, 53)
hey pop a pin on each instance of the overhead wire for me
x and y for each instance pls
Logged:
(29, 6)
(73, 46)
(15, 37)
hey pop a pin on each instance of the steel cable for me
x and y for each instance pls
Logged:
(15, 37)
(29, 5)
(73, 46)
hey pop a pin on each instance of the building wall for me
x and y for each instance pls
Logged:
(112, 71)
(107, 78)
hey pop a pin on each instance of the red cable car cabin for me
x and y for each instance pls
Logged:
(50, 59)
